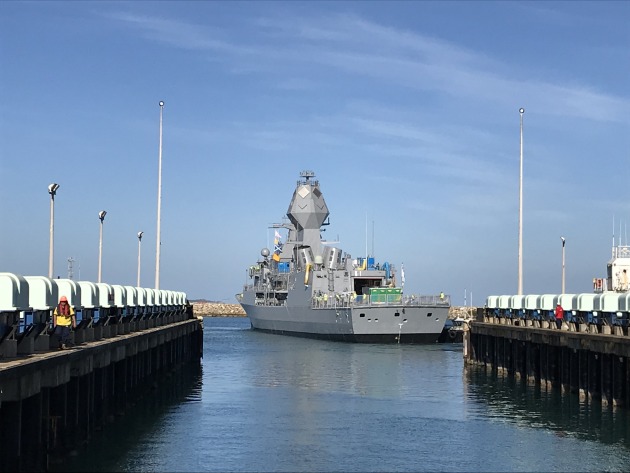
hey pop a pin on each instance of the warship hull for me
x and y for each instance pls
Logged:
(384, 323)
(327, 331)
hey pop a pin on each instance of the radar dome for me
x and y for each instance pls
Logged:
(319, 259)
(264, 252)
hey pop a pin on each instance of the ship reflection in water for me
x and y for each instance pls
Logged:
(368, 370)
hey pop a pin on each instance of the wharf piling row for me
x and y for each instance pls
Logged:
(578, 358)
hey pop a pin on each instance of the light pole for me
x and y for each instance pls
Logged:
(101, 216)
(159, 204)
(563, 242)
(139, 242)
(52, 190)
(521, 111)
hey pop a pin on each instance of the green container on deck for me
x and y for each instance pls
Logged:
(377, 295)
(385, 294)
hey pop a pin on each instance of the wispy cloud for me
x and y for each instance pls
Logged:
(352, 45)
(306, 54)
(178, 33)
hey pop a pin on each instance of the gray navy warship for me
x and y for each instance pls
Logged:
(308, 287)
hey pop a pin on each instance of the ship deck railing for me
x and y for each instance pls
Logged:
(388, 300)
(621, 251)
(349, 299)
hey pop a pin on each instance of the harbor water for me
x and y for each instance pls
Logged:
(270, 403)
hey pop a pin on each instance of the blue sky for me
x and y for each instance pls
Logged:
(407, 112)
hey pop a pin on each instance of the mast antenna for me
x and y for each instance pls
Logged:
(373, 239)
(70, 268)
(613, 248)
(366, 238)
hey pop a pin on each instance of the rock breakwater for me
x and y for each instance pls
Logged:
(217, 309)
(465, 312)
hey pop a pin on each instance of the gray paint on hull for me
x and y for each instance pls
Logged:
(377, 324)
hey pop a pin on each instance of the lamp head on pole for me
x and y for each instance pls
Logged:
(52, 189)
(563, 240)
(521, 110)
(140, 235)
(161, 103)
(101, 215)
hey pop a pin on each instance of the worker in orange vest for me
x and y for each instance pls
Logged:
(63, 318)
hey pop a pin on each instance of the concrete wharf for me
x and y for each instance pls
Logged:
(51, 400)
(589, 355)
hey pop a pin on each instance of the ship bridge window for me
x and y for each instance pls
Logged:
(429, 314)
(396, 314)
(361, 315)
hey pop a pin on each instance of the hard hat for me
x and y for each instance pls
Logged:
(63, 299)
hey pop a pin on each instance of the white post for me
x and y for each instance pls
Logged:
(520, 214)
(563, 242)
(52, 236)
(52, 190)
(101, 216)
(139, 242)
(159, 204)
